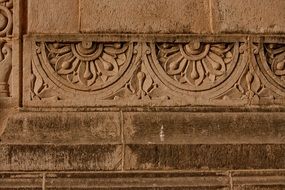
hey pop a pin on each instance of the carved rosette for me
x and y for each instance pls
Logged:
(195, 66)
(85, 67)
(5, 45)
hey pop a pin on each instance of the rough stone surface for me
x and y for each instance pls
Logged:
(150, 16)
(254, 16)
(204, 156)
(63, 128)
(142, 94)
(203, 128)
(60, 157)
(53, 16)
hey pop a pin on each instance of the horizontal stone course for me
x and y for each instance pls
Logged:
(156, 16)
(204, 156)
(192, 180)
(243, 16)
(137, 141)
(147, 16)
(203, 127)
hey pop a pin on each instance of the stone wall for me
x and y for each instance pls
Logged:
(142, 94)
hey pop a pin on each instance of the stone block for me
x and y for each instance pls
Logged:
(203, 127)
(62, 127)
(204, 156)
(144, 16)
(53, 16)
(243, 16)
(88, 157)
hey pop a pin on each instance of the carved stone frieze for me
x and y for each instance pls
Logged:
(156, 73)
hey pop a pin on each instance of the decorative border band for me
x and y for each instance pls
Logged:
(241, 70)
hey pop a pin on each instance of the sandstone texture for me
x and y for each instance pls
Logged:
(150, 16)
(53, 16)
(255, 16)
(142, 94)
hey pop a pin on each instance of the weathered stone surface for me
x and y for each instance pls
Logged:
(147, 16)
(254, 16)
(204, 156)
(203, 127)
(53, 16)
(23, 181)
(258, 180)
(163, 56)
(60, 157)
(175, 180)
(139, 180)
(63, 128)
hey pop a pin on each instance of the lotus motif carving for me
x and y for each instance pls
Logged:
(85, 65)
(196, 66)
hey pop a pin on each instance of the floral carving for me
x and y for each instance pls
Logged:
(196, 65)
(85, 65)
(148, 73)
(39, 88)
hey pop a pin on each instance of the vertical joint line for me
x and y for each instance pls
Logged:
(211, 16)
(122, 138)
(44, 181)
(231, 180)
(79, 16)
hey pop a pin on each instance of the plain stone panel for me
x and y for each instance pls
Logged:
(145, 16)
(81, 157)
(53, 16)
(256, 16)
(204, 156)
(203, 127)
(63, 127)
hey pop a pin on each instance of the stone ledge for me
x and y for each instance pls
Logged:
(177, 127)
(137, 141)
(214, 180)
